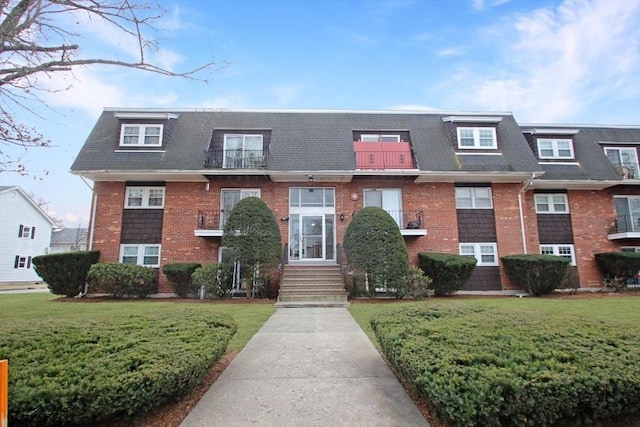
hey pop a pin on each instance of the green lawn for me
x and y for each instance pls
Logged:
(18, 309)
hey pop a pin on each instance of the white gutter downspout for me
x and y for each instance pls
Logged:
(94, 203)
(524, 189)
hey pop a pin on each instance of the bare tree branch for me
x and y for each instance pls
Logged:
(37, 39)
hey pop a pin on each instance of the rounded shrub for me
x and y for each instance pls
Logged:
(373, 244)
(179, 275)
(123, 280)
(65, 273)
(618, 267)
(536, 274)
(216, 278)
(448, 272)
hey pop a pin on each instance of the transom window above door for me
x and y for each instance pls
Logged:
(301, 197)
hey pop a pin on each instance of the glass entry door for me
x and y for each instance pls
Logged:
(311, 237)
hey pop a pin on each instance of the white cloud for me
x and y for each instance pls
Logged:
(480, 4)
(557, 63)
(451, 51)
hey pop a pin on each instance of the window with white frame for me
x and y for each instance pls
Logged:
(26, 232)
(242, 151)
(22, 262)
(485, 253)
(477, 137)
(474, 198)
(554, 148)
(565, 251)
(389, 199)
(144, 198)
(370, 137)
(230, 198)
(551, 203)
(145, 255)
(625, 160)
(135, 135)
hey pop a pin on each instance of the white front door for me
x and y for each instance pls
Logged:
(311, 224)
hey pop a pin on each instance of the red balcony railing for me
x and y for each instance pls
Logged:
(396, 155)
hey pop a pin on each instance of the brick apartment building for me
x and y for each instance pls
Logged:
(477, 184)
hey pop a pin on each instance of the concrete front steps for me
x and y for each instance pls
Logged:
(312, 286)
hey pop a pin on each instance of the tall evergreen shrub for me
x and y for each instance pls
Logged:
(374, 245)
(253, 236)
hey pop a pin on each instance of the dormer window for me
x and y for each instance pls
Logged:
(379, 138)
(141, 135)
(555, 148)
(477, 138)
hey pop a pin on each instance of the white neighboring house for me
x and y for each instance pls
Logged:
(68, 240)
(25, 232)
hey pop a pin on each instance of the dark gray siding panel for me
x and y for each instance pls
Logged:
(484, 279)
(476, 225)
(555, 229)
(141, 226)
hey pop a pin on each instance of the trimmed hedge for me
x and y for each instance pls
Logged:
(65, 273)
(536, 274)
(618, 267)
(179, 275)
(448, 272)
(490, 366)
(66, 372)
(123, 280)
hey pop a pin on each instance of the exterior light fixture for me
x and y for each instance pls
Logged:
(284, 218)
(342, 216)
(310, 177)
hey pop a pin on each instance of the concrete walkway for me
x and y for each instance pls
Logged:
(307, 367)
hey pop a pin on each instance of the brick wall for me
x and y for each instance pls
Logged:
(108, 224)
(592, 213)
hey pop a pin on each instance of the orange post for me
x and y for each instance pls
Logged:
(4, 393)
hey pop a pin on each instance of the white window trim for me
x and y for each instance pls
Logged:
(556, 251)
(476, 138)
(473, 198)
(25, 260)
(141, 134)
(140, 253)
(478, 255)
(554, 147)
(552, 208)
(145, 197)
(24, 234)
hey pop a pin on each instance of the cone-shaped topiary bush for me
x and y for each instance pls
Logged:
(374, 245)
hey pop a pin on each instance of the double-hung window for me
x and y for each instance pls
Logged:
(485, 253)
(22, 262)
(144, 198)
(553, 148)
(145, 255)
(26, 232)
(551, 203)
(134, 135)
(477, 138)
(473, 198)
(565, 251)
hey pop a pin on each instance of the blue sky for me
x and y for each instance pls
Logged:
(547, 61)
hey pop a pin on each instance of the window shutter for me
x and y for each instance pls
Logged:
(20, 230)
(29, 262)
(33, 232)
(15, 263)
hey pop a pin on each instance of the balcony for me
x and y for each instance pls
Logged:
(411, 223)
(628, 170)
(396, 155)
(625, 227)
(208, 225)
(235, 159)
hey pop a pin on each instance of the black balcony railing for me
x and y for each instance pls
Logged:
(235, 159)
(407, 220)
(627, 223)
(208, 221)
(628, 170)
